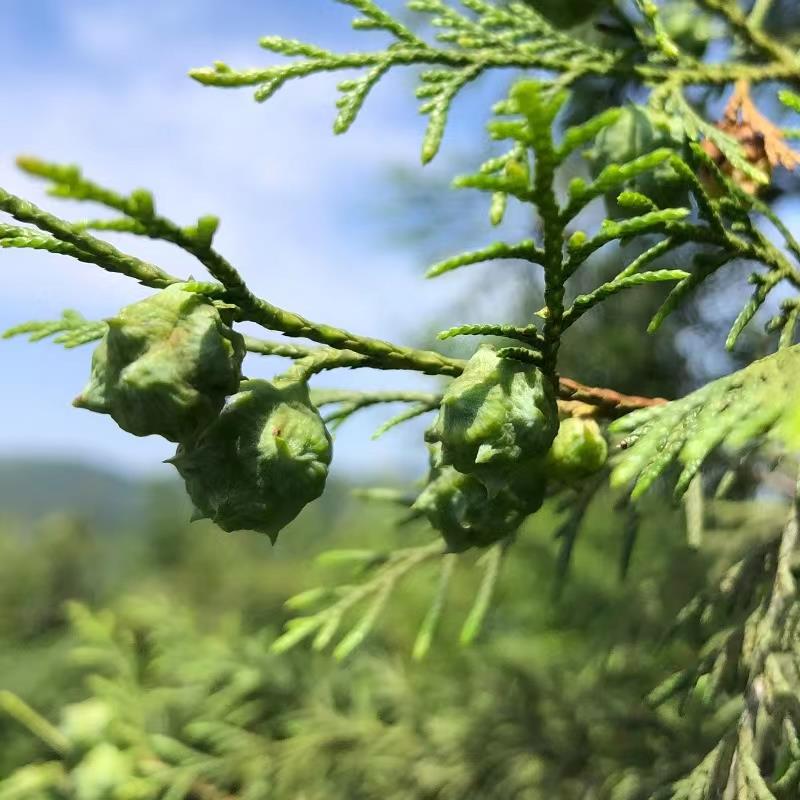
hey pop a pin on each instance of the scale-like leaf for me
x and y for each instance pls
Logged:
(72, 330)
(758, 402)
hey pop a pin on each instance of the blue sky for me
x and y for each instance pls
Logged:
(310, 219)
(103, 83)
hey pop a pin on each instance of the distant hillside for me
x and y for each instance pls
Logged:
(112, 502)
(31, 489)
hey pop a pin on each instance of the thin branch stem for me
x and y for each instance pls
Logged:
(103, 253)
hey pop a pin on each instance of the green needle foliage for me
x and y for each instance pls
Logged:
(72, 330)
(758, 402)
(685, 191)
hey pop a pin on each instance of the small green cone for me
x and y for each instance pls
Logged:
(261, 461)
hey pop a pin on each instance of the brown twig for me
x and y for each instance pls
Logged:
(608, 402)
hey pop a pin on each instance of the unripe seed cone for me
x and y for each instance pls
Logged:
(578, 450)
(261, 461)
(636, 133)
(165, 366)
(498, 414)
(468, 515)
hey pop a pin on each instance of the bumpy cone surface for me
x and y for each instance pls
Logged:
(578, 450)
(165, 366)
(496, 415)
(261, 461)
(635, 134)
(461, 508)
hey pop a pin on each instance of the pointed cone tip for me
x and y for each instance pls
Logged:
(85, 401)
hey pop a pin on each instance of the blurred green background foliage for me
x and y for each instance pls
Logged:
(165, 628)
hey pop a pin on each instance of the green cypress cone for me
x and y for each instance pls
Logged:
(165, 366)
(468, 515)
(635, 134)
(498, 414)
(578, 450)
(261, 461)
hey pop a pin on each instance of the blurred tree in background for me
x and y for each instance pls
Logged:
(170, 683)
